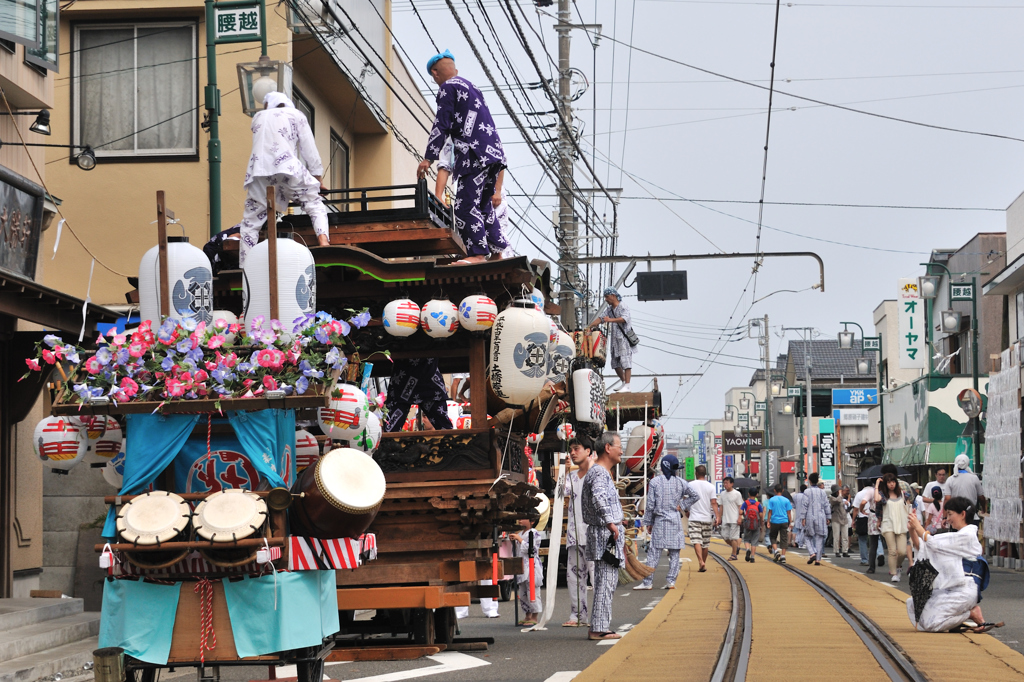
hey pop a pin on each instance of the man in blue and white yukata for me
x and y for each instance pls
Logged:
(667, 496)
(602, 512)
(463, 116)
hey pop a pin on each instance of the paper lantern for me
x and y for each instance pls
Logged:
(659, 439)
(189, 282)
(368, 439)
(464, 422)
(477, 313)
(59, 442)
(562, 350)
(104, 438)
(228, 317)
(296, 283)
(307, 450)
(589, 398)
(346, 414)
(401, 317)
(439, 318)
(519, 353)
(641, 441)
(454, 410)
(113, 470)
(538, 299)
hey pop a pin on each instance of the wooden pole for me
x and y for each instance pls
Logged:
(161, 232)
(272, 250)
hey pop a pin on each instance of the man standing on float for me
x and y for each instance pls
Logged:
(463, 116)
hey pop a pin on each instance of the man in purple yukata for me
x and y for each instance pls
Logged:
(463, 116)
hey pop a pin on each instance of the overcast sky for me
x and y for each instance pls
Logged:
(947, 63)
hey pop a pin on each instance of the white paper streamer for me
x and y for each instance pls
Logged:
(85, 305)
(1002, 455)
(554, 546)
(56, 242)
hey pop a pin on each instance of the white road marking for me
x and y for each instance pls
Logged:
(625, 628)
(563, 676)
(651, 604)
(607, 642)
(450, 661)
(292, 671)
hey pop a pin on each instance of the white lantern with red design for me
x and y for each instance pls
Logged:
(59, 442)
(347, 413)
(641, 442)
(537, 296)
(104, 439)
(477, 313)
(439, 318)
(368, 439)
(589, 398)
(464, 422)
(519, 353)
(401, 317)
(659, 439)
(307, 450)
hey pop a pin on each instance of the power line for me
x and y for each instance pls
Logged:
(818, 204)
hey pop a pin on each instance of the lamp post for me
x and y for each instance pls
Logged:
(730, 412)
(86, 159)
(846, 339)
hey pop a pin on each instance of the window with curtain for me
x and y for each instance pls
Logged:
(338, 172)
(135, 89)
(306, 107)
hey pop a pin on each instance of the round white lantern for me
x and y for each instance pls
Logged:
(296, 283)
(59, 442)
(589, 398)
(104, 438)
(641, 441)
(401, 317)
(189, 282)
(228, 317)
(477, 313)
(307, 450)
(346, 415)
(439, 318)
(537, 296)
(519, 353)
(562, 350)
(368, 439)
(454, 410)
(113, 470)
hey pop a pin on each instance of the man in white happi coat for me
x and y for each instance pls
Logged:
(577, 568)
(284, 155)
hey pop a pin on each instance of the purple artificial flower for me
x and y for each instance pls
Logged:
(302, 322)
(256, 323)
(123, 356)
(188, 324)
(71, 354)
(168, 362)
(245, 367)
(361, 320)
(51, 340)
(323, 335)
(323, 317)
(103, 356)
(196, 356)
(333, 358)
(268, 337)
(222, 374)
(184, 346)
(308, 371)
(302, 385)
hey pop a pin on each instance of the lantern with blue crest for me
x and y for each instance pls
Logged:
(519, 352)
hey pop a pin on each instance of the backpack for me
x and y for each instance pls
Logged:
(751, 514)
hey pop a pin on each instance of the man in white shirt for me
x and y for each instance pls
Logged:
(865, 497)
(702, 516)
(728, 515)
(576, 565)
(283, 155)
(941, 481)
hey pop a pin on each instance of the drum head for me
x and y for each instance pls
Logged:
(350, 480)
(153, 517)
(230, 515)
(544, 509)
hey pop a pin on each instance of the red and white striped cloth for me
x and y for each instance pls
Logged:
(314, 554)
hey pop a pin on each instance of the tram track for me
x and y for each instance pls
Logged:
(735, 652)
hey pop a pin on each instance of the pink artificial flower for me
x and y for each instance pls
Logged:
(145, 325)
(279, 358)
(216, 341)
(93, 366)
(32, 364)
(234, 328)
(120, 339)
(228, 361)
(137, 350)
(220, 324)
(265, 358)
(175, 388)
(200, 375)
(210, 366)
(129, 386)
(270, 383)
(49, 357)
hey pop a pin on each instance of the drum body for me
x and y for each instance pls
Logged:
(226, 516)
(341, 494)
(154, 518)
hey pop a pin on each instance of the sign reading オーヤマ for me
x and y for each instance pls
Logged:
(913, 352)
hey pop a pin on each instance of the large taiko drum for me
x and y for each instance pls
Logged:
(154, 518)
(341, 494)
(227, 516)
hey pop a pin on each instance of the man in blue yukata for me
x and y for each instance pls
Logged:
(463, 116)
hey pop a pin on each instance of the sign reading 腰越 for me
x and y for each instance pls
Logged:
(872, 343)
(237, 23)
(854, 396)
(963, 292)
(911, 324)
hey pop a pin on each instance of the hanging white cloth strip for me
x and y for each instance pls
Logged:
(56, 242)
(554, 546)
(85, 305)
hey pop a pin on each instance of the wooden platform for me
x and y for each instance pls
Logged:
(632, 407)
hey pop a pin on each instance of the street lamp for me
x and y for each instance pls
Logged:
(755, 421)
(256, 79)
(950, 321)
(738, 429)
(745, 404)
(777, 387)
(863, 366)
(86, 159)
(787, 407)
(846, 340)
(928, 285)
(42, 123)
(730, 413)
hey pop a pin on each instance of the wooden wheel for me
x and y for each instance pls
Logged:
(423, 627)
(445, 622)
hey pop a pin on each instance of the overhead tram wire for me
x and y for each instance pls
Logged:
(412, 3)
(815, 204)
(412, 63)
(767, 137)
(625, 125)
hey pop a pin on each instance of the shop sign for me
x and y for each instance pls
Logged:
(20, 217)
(853, 417)
(733, 443)
(911, 324)
(854, 396)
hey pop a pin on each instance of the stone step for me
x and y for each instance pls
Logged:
(16, 613)
(50, 634)
(62, 659)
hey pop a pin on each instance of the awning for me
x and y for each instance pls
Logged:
(1007, 280)
(53, 310)
(921, 454)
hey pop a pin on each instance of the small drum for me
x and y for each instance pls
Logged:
(226, 516)
(154, 518)
(341, 495)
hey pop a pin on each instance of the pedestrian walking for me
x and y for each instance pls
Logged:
(529, 548)
(934, 511)
(815, 520)
(667, 496)
(577, 567)
(752, 521)
(799, 503)
(729, 502)
(941, 481)
(865, 496)
(780, 511)
(702, 515)
(893, 527)
(966, 484)
(840, 502)
(620, 324)
(602, 512)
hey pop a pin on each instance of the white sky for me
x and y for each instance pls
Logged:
(952, 63)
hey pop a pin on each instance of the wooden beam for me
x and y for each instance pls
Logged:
(425, 597)
(382, 653)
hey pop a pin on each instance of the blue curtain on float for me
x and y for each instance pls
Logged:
(153, 442)
(268, 438)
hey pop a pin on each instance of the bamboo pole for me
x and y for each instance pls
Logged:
(272, 248)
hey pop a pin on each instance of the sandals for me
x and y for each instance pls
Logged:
(604, 635)
(985, 627)
(702, 569)
(524, 623)
(571, 624)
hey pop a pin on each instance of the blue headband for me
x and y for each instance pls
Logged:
(613, 291)
(438, 57)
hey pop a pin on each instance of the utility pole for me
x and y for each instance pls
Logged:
(768, 402)
(566, 218)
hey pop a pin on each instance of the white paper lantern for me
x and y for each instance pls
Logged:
(519, 353)
(589, 398)
(454, 410)
(113, 470)
(401, 317)
(562, 350)
(104, 438)
(296, 283)
(537, 296)
(439, 318)
(228, 317)
(189, 282)
(477, 313)
(307, 450)
(59, 442)
(641, 441)
(346, 415)
(368, 439)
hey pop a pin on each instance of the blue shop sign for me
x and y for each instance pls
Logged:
(854, 396)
